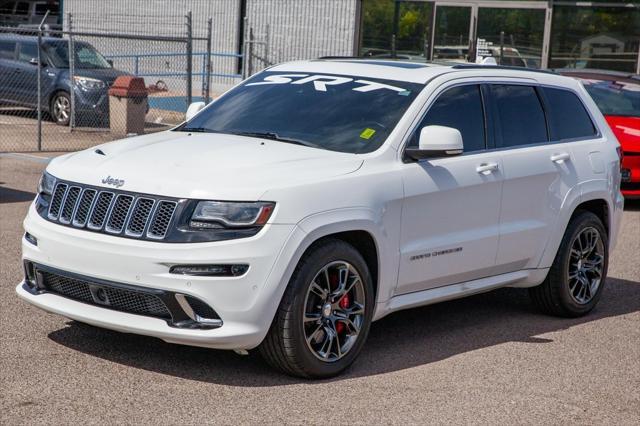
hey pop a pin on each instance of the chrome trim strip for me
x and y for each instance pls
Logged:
(98, 228)
(60, 219)
(160, 237)
(109, 229)
(55, 189)
(146, 222)
(74, 222)
(186, 307)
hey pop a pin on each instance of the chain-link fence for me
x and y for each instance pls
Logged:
(51, 100)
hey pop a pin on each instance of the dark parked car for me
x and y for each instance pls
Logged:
(19, 77)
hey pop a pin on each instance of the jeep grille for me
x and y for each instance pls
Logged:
(112, 212)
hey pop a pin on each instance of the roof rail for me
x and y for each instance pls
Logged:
(499, 67)
(340, 57)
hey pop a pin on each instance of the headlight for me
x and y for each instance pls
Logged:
(45, 186)
(89, 83)
(216, 214)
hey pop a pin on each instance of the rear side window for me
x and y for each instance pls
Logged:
(7, 49)
(460, 108)
(520, 118)
(53, 9)
(568, 119)
(28, 51)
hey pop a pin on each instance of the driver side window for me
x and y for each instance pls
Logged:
(461, 108)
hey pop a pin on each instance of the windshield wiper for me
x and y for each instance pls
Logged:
(196, 130)
(275, 137)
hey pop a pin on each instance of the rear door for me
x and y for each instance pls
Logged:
(7, 70)
(450, 214)
(533, 135)
(26, 73)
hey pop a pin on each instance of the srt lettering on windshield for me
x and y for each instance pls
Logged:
(320, 82)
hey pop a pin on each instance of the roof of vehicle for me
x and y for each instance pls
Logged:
(413, 72)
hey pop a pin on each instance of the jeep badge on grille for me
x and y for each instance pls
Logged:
(113, 181)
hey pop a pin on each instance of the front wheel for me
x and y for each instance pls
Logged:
(325, 314)
(60, 109)
(576, 278)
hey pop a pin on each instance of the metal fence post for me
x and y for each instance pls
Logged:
(207, 69)
(245, 46)
(189, 58)
(267, 38)
(72, 81)
(250, 53)
(40, 81)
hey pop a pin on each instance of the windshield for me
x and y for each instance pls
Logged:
(615, 97)
(338, 113)
(86, 56)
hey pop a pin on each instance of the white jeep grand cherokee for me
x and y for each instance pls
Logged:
(319, 196)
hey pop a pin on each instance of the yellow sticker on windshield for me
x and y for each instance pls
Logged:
(367, 133)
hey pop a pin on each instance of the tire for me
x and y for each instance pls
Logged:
(286, 347)
(563, 296)
(60, 108)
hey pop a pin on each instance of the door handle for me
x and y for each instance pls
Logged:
(487, 168)
(560, 158)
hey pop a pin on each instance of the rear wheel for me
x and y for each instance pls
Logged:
(60, 108)
(325, 314)
(576, 278)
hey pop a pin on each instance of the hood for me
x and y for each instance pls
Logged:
(202, 166)
(107, 75)
(627, 130)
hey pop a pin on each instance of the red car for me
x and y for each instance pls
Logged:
(617, 95)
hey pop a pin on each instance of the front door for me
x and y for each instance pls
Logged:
(450, 215)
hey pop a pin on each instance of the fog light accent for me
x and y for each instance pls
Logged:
(30, 274)
(30, 238)
(210, 270)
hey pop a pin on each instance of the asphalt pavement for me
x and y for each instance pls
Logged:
(487, 359)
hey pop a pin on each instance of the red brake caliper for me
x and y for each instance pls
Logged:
(344, 304)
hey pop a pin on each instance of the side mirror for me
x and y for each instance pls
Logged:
(34, 61)
(436, 141)
(110, 62)
(193, 109)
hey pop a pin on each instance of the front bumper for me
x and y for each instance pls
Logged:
(245, 304)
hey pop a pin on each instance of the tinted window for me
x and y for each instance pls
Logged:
(460, 108)
(27, 52)
(338, 113)
(7, 49)
(520, 118)
(22, 9)
(615, 97)
(7, 8)
(567, 117)
(53, 9)
(86, 57)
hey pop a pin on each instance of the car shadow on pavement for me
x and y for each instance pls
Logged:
(402, 340)
(10, 195)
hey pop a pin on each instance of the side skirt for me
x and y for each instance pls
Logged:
(522, 279)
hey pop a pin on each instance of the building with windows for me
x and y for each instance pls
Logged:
(539, 34)
(533, 33)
